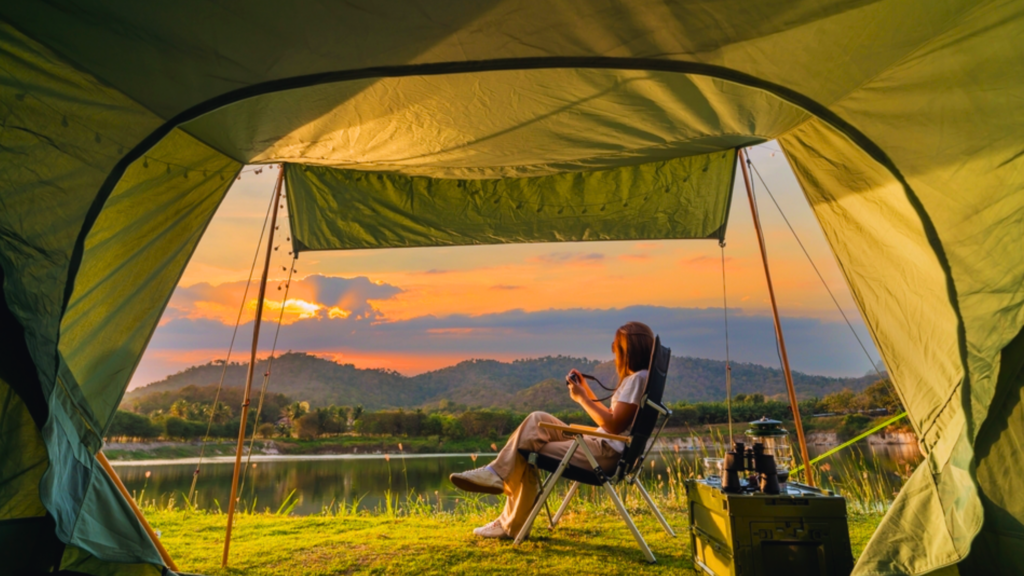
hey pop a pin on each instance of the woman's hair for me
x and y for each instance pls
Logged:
(634, 342)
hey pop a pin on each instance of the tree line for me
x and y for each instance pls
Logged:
(192, 411)
(876, 398)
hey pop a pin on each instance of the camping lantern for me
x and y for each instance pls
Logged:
(775, 440)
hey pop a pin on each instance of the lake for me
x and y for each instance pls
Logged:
(319, 481)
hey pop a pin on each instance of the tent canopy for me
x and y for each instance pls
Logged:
(430, 123)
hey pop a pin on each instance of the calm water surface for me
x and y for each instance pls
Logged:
(319, 481)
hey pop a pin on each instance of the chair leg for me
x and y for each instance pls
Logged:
(652, 506)
(565, 503)
(545, 492)
(551, 520)
(629, 522)
(621, 508)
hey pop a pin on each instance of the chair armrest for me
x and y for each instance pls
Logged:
(661, 409)
(585, 431)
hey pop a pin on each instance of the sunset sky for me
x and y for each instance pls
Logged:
(419, 309)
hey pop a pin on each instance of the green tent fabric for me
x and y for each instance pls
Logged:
(125, 122)
(685, 198)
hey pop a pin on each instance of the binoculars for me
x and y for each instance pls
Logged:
(764, 475)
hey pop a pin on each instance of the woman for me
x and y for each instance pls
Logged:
(510, 474)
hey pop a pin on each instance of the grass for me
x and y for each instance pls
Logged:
(586, 541)
(414, 534)
(170, 451)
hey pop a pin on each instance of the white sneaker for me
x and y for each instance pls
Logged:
(492, 530)
(478, 480)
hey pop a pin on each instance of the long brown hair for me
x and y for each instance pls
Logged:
(634, 342)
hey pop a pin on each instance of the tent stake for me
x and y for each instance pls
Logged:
(798, 423)
(135, 508)
(252, 367)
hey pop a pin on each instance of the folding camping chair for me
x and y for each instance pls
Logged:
(629, 467)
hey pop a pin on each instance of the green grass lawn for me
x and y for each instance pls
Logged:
(588, 541)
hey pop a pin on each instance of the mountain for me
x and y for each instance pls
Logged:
(549, 396)
(530, 384)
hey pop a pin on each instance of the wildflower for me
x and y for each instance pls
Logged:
(494, 447)
(148, 473)
(387, 457)
(253, 464)
(400, 446)
(473, 457)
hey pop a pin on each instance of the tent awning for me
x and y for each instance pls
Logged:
(684, 198)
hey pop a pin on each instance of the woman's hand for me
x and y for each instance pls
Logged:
(614, 420)
(577, 388)
(588, 393)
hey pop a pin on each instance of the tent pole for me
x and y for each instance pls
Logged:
(252, 367)
(135, 508)
(798, 423)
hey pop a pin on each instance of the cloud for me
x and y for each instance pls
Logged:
(648, 245)
(568, 258)
(314, 296)
(506, 287)
(815, 346)
(634, 257)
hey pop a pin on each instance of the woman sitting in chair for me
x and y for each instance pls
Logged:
(510, 473)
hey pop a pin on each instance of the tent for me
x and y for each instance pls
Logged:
(425, 123)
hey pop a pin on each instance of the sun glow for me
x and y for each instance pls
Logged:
(339, 313)
(295, 308)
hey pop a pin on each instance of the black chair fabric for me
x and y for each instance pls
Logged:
(643, 426)
(574, 473)
(647, 416)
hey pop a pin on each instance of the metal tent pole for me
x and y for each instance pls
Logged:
(808, 474)
(252, 367)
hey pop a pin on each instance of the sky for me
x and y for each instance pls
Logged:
(419, 309)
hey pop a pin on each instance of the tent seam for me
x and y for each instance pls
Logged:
(650, 64)
(392, 168)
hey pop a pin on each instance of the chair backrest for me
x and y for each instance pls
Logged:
(646, 419)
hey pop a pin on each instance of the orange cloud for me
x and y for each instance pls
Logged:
(634, 257)
(570, 258)
(314, 296)
(294, 308)
(339, 313)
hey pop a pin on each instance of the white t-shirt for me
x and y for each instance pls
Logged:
(630, 391)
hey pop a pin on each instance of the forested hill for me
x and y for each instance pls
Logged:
(522, 384)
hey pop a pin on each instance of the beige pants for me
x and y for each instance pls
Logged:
(521, 485)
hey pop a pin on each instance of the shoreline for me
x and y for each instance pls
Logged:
(290, 458)
(170, 453)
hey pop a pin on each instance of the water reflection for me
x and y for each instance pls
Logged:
(318, 482)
